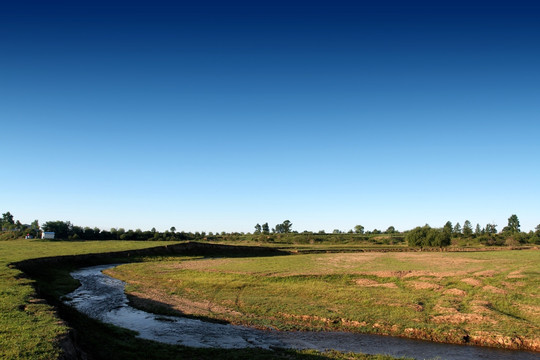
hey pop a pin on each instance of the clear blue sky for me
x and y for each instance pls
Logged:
(209, 117)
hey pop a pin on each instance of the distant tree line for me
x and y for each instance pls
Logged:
(283, 228)
(510, 235)
(66, 230)
(421, 236)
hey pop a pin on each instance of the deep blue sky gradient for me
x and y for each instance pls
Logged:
(209, 117)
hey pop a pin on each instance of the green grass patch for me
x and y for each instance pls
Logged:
(452, 297)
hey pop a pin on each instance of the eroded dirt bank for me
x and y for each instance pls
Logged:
(153, 301)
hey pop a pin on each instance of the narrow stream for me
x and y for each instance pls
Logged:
(102, 297)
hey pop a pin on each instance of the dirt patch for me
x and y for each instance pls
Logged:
(486, 273)
(348, 261)
(484, 338)
(494, 289)
(531, 309)
(445, 310)
(472, 282)
(516, 275)
(373, 283)
(481, 307)
(353, 323)
(415, 273)
(437, 259)
(423, 285)
(460, 318)
(512, 285)
(455, 292)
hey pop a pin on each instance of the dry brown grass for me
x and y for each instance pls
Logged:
(472, 281)
(373, 283)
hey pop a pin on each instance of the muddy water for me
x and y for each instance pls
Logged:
(102, 297)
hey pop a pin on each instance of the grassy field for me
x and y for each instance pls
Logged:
(31, 329)
(485, 298)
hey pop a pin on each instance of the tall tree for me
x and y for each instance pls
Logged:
(286, 226)
(258, 228)
(265, 228)
(513, 224)
(467, 228)
(7, 218)
(477, 230)
(359, 229)
(491, 229)
(448, 227)
(457, 229)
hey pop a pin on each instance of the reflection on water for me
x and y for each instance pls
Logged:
(102, 297)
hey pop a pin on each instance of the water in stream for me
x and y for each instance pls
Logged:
(102, 297)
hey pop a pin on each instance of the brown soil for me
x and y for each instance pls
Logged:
(373, 283)
(515, 275)
(149, 300)
(423, 285)
(532, 309)
(460, 318)
(445, 310)
(494, 289)
(486, 273)
(485, 338)
(415, 273)
(454, 291)
(472, 282)
(481, 307)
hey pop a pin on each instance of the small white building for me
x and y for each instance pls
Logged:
(47, 235)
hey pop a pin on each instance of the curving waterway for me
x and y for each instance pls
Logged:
(102, 297)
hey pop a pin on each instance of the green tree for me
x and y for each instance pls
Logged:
(390, 230)
(258, 228)
(467, 228)
(287, 225)
(477, 230)
(7, 219)
(359, 229)
(491, 229)
(448, 228)
(457, 229)
(513, 224)
(173, 229)
(265, 228)
(416, 236)
(61, 229)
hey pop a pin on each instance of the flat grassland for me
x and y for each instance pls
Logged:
(483, 298)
